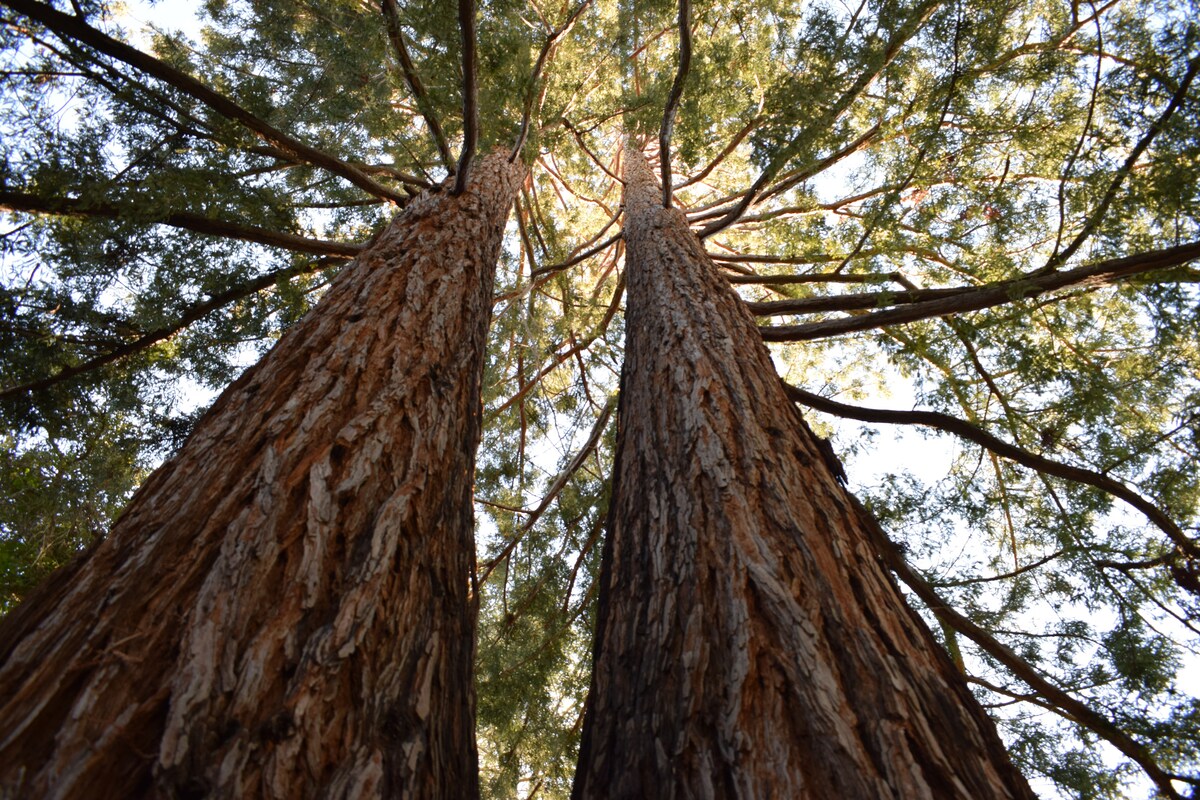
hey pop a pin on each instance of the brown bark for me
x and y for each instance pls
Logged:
(749, 642)
(284, 609)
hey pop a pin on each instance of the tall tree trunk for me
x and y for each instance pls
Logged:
(284, 610)
(749, 643)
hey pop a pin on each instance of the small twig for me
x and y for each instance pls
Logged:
(583, 146)
(1003, 577)
(563, 357)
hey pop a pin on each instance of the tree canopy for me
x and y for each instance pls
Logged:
(974, 223)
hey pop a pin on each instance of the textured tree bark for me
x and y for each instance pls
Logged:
(284, 610)
(749, 643)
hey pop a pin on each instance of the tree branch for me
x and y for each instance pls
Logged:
(1002, 577)
(668, 123)
(556, 486)
(1069, 167)
(391, 172)
(966, 430)
(583, 146)
(732, 145)
(391, 12)
(797, 176)
(563, 357)
(960, 300)
(570, 262)
(539, 277)
(548, 48)
(810, 277)
(821, 122)
(68, 26)
(1126, 168)
(1060, 701)
(750, 258)
(31, 204)
(146, 340)
(470, 92)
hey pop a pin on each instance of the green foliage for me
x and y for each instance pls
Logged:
(61, 489)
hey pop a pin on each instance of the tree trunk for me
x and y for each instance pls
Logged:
(749, 643)
(284, 610)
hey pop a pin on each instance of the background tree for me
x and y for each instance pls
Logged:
(987, 213)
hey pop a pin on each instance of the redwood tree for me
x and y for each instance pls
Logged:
(284, 608)
(749, 641)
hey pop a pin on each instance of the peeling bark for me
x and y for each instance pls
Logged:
(749, 642)
(284, 609)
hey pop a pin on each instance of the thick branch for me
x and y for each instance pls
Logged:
(470, 93)
(739, 258)
(995, 294)
(966, 430)
(73, 27)
(810, 277)
(668, 123)
(31, 204)
(392, 13)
